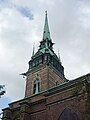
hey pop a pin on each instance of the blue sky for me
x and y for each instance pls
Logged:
(24, 10)
(4, 101)
(21, 25)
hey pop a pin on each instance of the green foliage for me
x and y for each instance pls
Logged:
(77, 88)
(2, 91)
(16, 116)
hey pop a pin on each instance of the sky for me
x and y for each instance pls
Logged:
(21, 26)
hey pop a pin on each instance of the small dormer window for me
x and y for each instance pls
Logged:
(36, 86)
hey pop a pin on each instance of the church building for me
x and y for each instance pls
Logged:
(48, 94)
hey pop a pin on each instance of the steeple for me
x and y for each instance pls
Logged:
(45, 53)
(46, 32)
(46, 44)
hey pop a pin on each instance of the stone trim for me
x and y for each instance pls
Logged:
(63, 100)
(39, 111)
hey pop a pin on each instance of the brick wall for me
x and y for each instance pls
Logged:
(49, 105)
(42, 73)
(47, 76)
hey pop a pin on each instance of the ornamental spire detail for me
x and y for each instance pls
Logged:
(33, 51)
(59, 56)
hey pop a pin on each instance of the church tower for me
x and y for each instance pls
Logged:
(45, 68)
(48, 94)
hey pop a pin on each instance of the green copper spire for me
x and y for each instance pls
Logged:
(46, 45)
(46, 33)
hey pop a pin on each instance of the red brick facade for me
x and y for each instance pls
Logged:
(49, 104)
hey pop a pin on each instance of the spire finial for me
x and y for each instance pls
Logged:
(46, 12)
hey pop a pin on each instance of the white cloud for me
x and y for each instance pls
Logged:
(70, 30)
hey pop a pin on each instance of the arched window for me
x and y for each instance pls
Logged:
(68, 114)
(36, 86)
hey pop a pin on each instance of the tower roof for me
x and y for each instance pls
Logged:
(46, 32)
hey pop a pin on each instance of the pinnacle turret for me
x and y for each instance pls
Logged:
(33, 51)
(59, 56)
